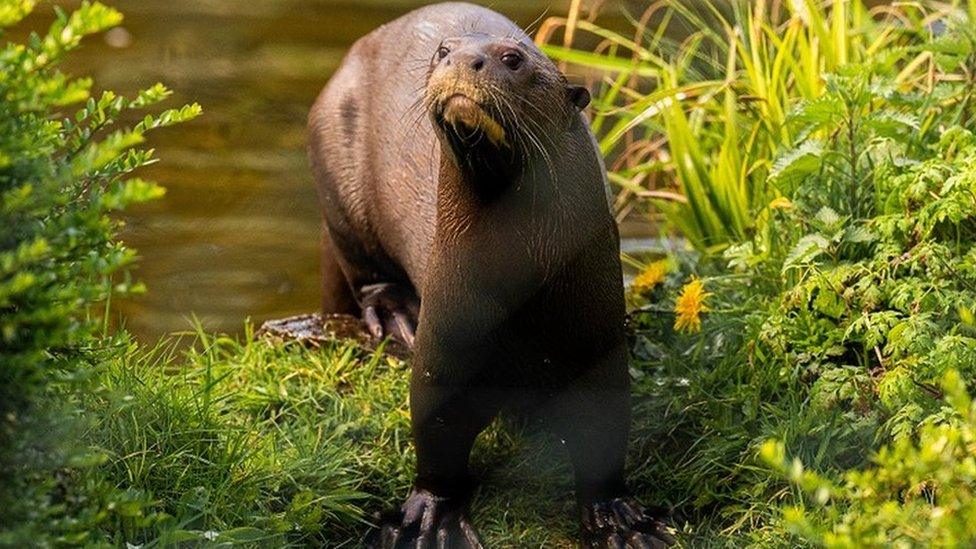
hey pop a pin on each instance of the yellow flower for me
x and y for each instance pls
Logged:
(650, 277)
(689, 306)
(781, 203)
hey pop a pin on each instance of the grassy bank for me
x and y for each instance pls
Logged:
(252, 442)
(244, 441)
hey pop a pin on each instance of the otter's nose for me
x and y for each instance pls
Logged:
(474, 60)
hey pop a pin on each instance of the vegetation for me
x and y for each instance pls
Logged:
(915, 494)
(272, 445)
(836, 344)
(61, 173)
(835, 321)
(716, 117)
(801, 372)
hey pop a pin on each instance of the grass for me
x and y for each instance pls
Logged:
(241, 441)
(244, 441)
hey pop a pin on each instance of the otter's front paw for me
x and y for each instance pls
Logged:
(426, 521)
(622, 523)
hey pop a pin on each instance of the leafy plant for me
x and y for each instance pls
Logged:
(62, 173)
(696, 126)
(881, 259)
(831, 330)
(915, 493)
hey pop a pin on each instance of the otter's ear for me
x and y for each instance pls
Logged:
(579, 96)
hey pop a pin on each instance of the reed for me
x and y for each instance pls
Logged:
(694, 106)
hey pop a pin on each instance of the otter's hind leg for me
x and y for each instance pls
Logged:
(337, 296)
(387, 308)
(390, 309)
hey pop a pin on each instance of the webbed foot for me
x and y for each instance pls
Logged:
(390, 310)
(426, 521)
(623, 523)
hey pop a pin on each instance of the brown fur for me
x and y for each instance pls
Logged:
(463, 194)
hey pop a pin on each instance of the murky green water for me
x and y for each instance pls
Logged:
(236, 236)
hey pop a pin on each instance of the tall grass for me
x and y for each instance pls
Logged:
(239, 442)
(695, 106)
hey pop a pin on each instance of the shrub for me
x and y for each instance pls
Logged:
(61, 175)
(831, 330)
(914, 493)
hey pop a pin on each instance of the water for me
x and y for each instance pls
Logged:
(236, 236)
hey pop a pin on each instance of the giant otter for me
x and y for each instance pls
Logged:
(465, 214)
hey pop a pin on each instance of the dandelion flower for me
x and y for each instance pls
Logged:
(689, 306)
(650, 277)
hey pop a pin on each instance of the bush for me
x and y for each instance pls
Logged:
(61, 175)
(831, 329)
(914, 493)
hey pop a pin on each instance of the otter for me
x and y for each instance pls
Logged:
(466, 215)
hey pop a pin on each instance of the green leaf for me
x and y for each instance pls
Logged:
(797, 163)
(829, 303)
(13, 11)
(806, 250)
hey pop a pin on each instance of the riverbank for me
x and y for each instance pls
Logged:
(242, 440)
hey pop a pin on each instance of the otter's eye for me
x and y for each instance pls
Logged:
(512, 60)
(442, 52)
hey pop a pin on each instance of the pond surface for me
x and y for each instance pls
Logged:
(237, 233)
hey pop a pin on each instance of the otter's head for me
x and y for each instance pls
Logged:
(498, 100)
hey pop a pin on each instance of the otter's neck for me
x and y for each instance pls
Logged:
(492, 190)
(498, 248)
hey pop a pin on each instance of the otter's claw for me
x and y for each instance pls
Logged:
(625, 524)
(426, 521)
(403, 328)
(372, 320)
